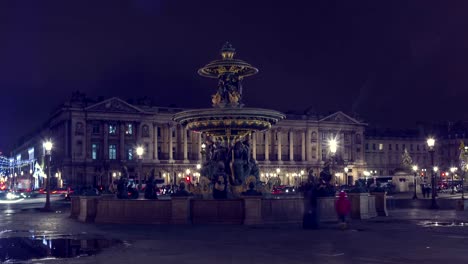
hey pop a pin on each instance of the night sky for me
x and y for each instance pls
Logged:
(392, 62)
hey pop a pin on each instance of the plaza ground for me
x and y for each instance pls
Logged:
(400, 238)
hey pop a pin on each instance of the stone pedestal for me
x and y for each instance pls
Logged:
(326, 209)
(359, 205)
(75, 207)
(252, 210)
(461, 205)
(88, 208)
(371, 204)
(380, 203)
(180, 208)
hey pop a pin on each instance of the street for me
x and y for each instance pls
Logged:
(406, 236)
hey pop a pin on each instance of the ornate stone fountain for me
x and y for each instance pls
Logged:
(228, 163)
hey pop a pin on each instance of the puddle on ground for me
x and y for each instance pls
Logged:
(14, 249)
(444, 224)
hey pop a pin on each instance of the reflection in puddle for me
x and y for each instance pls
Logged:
(27, 248)
(444, 224)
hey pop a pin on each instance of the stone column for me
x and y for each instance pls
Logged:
(155, 143)
(199, 146)
(291, 145)
(278, 142)
(184, 130)
(308, 145)
(105, 147)
(267, 146)
(303, 146)
(170, 127)
(254, 146)
(67, 133)
(122, 141)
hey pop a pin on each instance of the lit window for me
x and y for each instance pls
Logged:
(94, 151)
(129, 129)
(112, 129)
(112, 152)
(129, 153)
(380, 146)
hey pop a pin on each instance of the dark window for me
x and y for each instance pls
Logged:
(367, 146)
(159, 132)
(96, 128)
(397, 147)
(373, 146)
(389, 146)
(411, 147)
(417, 147)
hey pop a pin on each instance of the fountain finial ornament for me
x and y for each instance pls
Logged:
(230, 72)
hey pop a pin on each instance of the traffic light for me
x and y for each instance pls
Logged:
(187, 179)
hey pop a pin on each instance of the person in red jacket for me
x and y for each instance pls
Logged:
(343, 207)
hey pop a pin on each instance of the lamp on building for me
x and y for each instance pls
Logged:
(333, 147)
(139, 151)
(198, 166)
(346, 170)
(366, 174)
(48, 153)
(453, 170)
(203, 151)
(431, 144)
(415, 171)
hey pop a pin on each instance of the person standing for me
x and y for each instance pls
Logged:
(310, 217)
(343, 208)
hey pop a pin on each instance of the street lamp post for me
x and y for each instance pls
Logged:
(453, 170)
(415, 171)
(278, 170)
(333, 146)
(463, 183)
(430, 144)
(48, 153)
(140, 150)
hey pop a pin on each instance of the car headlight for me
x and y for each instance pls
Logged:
(10, 196)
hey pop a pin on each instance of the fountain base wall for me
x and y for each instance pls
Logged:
(186, 210)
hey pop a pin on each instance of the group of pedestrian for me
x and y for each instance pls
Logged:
(311, 216)
(426, 190)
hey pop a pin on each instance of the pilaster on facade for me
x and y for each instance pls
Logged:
(291, 145)
(253, 137)
(267, 146)
(170, 129)
(185, 149)
(279, 147)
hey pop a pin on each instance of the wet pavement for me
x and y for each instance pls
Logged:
(34, 248)
(407, 236)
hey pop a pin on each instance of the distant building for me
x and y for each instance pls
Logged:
(384, 148)
(93, 140)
